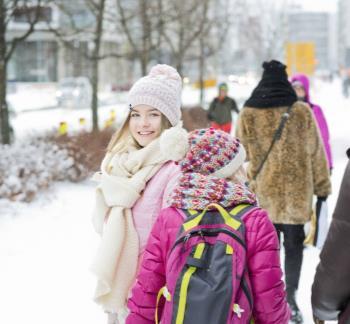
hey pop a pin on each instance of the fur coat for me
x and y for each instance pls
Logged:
(296, 168)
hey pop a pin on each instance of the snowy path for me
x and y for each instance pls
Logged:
(46, 247)
(45, 250)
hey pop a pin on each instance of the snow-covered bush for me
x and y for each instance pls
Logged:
(87, 149)
(33, 164)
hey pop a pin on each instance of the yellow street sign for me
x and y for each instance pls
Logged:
(300, 57)
(208, 83)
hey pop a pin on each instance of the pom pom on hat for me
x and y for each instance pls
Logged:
(164, 71)
(174, 143)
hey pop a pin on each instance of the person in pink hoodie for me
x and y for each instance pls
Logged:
(133, 182)
(301, 85)
(211, 173)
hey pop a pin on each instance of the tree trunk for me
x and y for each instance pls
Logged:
(4, 115)
(144, 55)
(144, 64)
(179, 63)
(95, 65)
(94, 102)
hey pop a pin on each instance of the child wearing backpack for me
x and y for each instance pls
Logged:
(213, 255)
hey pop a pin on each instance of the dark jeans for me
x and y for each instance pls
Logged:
(293, 239)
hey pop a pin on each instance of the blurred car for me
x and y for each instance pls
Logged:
(74, 92)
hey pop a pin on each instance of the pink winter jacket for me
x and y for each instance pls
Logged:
(153, 199)
(270, 306)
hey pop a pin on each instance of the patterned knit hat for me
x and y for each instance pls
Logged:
(212, 152)
(160, 89)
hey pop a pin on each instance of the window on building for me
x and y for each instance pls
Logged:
(26, 14)
(34, 61)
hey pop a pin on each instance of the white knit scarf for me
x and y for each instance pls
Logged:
(122, 179)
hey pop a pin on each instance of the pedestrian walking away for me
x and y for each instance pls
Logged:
(213, 255)
(287, 164)
(133, 184)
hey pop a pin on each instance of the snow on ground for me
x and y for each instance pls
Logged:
(46, 247)
(45, 251)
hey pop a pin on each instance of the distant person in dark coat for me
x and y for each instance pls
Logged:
(220, 109)
(331, 288)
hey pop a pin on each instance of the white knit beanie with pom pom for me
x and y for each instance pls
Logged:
(160, 89)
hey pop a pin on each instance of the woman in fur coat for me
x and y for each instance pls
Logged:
(294, 170)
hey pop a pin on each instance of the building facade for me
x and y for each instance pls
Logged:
(316, 28)
(344, 34)
(43, 57)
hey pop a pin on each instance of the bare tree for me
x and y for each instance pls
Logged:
(98, 10)
(142, 22)
(169, 31)
(264, 27)
(213, 35)
(184, 23)
(90, 30)
(31, 12)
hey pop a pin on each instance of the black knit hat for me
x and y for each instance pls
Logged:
(274, 89)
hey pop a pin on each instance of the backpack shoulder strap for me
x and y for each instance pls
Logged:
(240, 210)
(191, 212)
(196, 219)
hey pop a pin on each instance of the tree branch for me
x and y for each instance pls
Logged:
(125, 27)
(10, 7)
(16, 40)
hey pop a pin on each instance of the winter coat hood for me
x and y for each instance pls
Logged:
(319, 116)
(304, 80)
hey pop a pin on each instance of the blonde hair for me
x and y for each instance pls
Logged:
(122, 139)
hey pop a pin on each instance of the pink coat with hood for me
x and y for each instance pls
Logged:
(319, 116)
(153, 199)
(265, 274)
